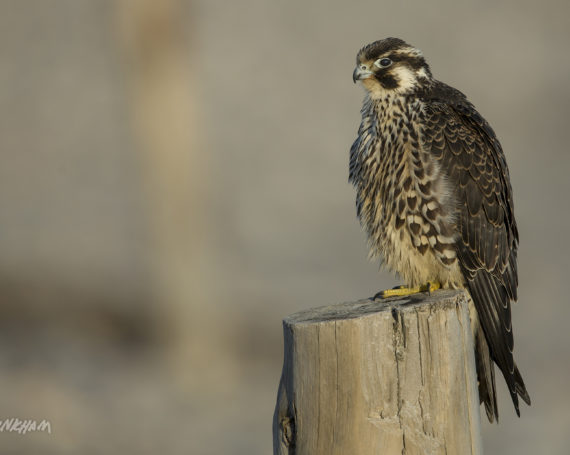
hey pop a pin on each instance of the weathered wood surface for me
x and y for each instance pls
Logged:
(395, 376)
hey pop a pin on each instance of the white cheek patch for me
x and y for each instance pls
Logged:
(406, 78)
(374, 88)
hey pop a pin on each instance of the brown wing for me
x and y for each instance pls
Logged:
(487, 245)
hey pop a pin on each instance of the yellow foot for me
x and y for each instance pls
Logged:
(401, 291)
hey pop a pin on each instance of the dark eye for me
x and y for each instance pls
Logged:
(383, 62)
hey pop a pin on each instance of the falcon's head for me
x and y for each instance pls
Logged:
(391, 66)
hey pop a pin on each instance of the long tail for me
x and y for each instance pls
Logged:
(486, 376)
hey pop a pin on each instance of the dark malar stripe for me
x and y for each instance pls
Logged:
(387, 81)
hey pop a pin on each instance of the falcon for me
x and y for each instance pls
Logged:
(434, 198)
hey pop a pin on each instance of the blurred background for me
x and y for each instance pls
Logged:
(173, 182)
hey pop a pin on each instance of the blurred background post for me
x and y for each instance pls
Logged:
(157, 55)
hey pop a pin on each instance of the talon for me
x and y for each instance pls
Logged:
(378, 295)
(388, 292)
(433, 286)
(430, 286)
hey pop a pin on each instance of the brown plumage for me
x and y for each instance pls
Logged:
(434, 197)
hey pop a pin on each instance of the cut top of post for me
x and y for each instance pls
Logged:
(362, 308)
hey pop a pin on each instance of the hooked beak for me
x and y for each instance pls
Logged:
(360, 72)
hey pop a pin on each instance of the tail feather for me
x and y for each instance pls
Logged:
(516, 388)
(520, 388)
(486, 376)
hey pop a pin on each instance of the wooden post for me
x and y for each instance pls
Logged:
(393, 376)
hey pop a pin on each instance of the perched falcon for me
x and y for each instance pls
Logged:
(433, 195)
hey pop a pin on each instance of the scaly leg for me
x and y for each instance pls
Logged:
(402, 291)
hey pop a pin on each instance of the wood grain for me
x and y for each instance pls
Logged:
(395, 376)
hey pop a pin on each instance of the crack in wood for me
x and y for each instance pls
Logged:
(354, 381)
